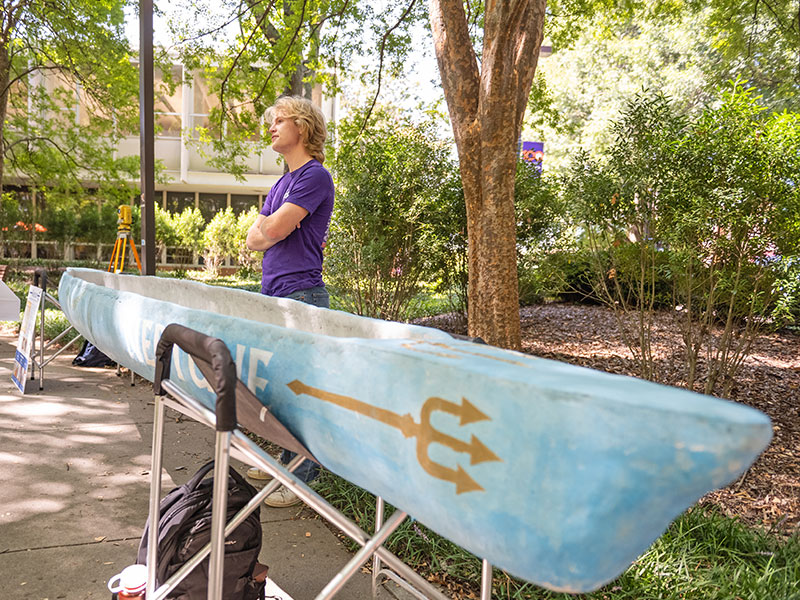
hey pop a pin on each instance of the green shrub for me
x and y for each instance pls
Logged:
(249, 260)
(702, 215)
(220, 240)
(55, 322)
(189, 226)
(558, 275)
(732, 223)
(166, 233)
(387, 231)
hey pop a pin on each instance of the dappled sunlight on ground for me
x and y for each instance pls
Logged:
(79, 451)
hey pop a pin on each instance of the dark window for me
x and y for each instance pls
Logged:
(18, 249)
(178, 201)
(211, 204)
(242, 202)
(48, 250)
(85, 251)
(177, 255)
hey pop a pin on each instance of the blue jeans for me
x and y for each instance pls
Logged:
(315, 296)
(308, 470)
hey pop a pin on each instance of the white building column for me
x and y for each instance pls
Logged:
(187, 104)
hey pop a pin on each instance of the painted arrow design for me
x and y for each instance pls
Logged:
(424, 431)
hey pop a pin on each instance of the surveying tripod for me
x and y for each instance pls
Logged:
(124, 220)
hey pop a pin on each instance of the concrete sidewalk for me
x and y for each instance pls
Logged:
(74, 485)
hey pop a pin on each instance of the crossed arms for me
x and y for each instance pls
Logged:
(268, 231)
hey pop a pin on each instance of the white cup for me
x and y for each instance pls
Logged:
(132, 580)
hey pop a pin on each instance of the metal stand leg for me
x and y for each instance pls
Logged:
(41, 344)
(360, 557)
(486, 580)
(398, 572)
(38, 359)
(155, 495)
(219, 514)
(376, 561)
(119, 373)
(245, 448)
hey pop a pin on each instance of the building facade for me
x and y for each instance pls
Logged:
(188, 180)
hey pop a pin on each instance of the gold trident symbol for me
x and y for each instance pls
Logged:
(425, 433)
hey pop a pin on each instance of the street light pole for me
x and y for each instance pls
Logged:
(146, 136)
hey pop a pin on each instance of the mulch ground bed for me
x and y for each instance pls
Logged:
(768, 494)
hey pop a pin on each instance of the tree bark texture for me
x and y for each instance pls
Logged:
(486, 105)
(5, 77)
(10, 15)
(7, 24)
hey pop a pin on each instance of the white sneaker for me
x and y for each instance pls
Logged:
(258, 474)
(283, 497)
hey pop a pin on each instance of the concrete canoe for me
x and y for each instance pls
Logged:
(558, 474)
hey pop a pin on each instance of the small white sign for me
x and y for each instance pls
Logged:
(27, 332)
(9, 304)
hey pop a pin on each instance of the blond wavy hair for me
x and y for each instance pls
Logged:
(309, 120)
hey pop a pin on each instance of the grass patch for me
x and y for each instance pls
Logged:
(55, 323)
(704, 555)
(245, 281)
(429, 303)
(426, 303)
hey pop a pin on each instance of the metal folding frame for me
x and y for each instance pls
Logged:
(231, 441)
(38, 359)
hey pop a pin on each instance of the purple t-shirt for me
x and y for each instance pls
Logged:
(295, 263)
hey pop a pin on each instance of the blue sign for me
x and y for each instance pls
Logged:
(20, 371)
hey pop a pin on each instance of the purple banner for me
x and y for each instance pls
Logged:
(533, 152)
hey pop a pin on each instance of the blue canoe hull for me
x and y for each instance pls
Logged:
(558, 474)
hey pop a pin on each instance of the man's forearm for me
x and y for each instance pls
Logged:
(268, 231)
(261, 236)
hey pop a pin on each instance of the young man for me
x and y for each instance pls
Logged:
(292, 229)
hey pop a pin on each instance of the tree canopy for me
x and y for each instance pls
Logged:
(683, 52)
(250, 53)
(68, 90)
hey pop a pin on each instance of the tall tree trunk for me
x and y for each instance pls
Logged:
(5, 73)
(295, 87)
(486, 107)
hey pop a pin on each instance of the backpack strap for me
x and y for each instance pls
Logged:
(198, 477)
(234, 474)
(192, 484)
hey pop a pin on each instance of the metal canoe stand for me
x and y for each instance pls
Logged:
(236, 405)
(119, 373)
(38, 359)
(380, 571)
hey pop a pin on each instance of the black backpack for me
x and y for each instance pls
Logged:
(184, 527)
(91, 356)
